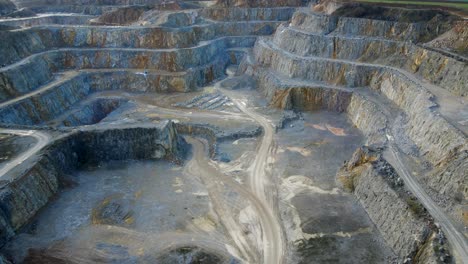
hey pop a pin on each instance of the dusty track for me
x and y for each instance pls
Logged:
(273, 240)
(42, 140)
(199, 165)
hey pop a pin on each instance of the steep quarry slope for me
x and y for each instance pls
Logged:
(75, 78)
(259, 3)
(454, 40)
(190, 131)
(73, 58)
(403, 96)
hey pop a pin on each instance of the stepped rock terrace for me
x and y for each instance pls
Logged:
(231, 131)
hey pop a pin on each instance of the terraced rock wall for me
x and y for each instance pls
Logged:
(371, 70)
(259, 3)
(32, 3)
(439, 69)
(39, 39)
(433, 134)
(91, 113)
(403, 231)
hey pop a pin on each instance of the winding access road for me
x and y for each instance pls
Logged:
(273, 239)
(213, 181)
(42, 140)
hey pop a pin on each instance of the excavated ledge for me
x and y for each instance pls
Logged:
(104, 85)
(62, 95)
(326, 24)
(321, 62)
(378, 187)
(15, 80)
(43, 179)
(59, 19)
(40, 39)
(399, 88)
(248, 14)
(439, 69)
(89, 113)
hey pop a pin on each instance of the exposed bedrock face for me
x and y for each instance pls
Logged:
(121, 16)
(388, 13)
(23, 12)
(259, 3)
(34, 3)
(313, 69)
(453, 40)
(172, 19)
(24, 197)
(449, 177)
(375, 184)
(285, 96)
(432, 133)
(204, 63)
(253, 14)
(205, 16)
(447, 72)
(89, 113)
(61, 96)
(41, 39)
(369, 118)
(100, 7)
(61, 19)
(325, 24)
(363, 113)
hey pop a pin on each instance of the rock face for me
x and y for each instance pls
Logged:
(382, 193)
(259, 3)
(390, 71)
(23, 198)
(453, 40)
(6, 7)
(367, 175)
(433, 134)
(77, 49)
(370, 68)
(121, 16)
(377, 186)
(444, 71)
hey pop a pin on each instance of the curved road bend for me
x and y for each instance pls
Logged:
(273, 246)
(42, 140)
(266, 218)
(199, 165)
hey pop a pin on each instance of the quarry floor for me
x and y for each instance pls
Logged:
(279, 183)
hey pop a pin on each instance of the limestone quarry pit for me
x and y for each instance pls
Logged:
(232, 131)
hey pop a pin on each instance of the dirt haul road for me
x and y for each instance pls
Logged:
(273, 240)
(42, 140)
